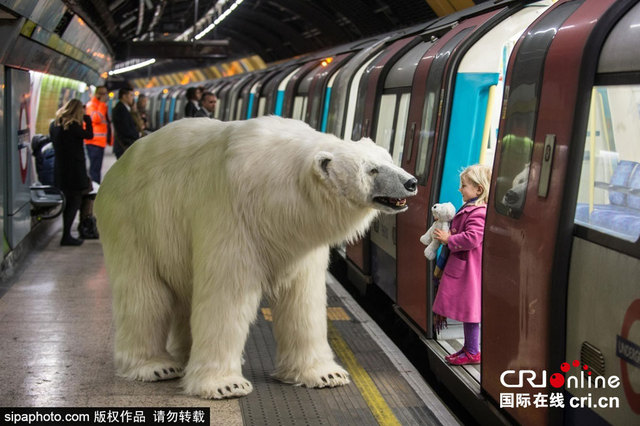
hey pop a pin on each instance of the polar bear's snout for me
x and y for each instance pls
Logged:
(392, 188)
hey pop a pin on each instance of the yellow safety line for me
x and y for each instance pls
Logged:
(333, 314)
(378, 406)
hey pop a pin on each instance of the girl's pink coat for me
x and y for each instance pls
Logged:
(459, 295)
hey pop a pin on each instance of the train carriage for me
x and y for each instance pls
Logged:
(559, 286)
(546, 92)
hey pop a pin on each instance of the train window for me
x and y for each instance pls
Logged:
(392, 123)
(384, 132)
(262, 104)
(609, 191)
(426, 135)
(401, 128)
(299, 107)
(239, 115)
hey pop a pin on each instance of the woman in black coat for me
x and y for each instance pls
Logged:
(70, 171)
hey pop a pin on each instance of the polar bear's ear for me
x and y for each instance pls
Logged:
(321, 163)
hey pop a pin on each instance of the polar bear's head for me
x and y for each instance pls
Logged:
(443, 212)
(363, 173)
(514, 196)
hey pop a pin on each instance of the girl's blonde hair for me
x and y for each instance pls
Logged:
(480, 176)
(71, 112)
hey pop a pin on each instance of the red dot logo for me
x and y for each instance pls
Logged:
(585, 367)
(565, 367)
(576, 363)
(556, 380)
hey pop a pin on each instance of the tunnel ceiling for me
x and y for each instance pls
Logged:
(272, 29)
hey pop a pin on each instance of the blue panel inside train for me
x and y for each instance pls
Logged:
(250, 107)
(162, 104)
(279, 102)
(465, 130)
(325, 110)
(172, 108)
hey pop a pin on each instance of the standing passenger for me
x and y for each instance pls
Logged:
(208, 103)
(70, 169)
(460, 292)
(141, 105)
(124, 126)
(193, 97)
(97, 110)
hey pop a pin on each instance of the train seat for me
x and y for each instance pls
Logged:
(622, 214)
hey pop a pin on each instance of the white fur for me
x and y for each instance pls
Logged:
(514, 196)
(202, 218)
(442, 215)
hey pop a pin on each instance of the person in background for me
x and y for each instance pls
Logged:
(70, 171)
(137, 118)
(126, 132)
(141, 106)
(207, 105)
(460, 292)
(193, 97)
(96, 108)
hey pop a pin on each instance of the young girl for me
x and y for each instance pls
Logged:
(459, 294)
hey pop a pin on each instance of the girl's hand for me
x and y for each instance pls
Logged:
(442, 236)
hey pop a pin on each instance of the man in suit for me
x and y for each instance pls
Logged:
(126, 132)
(207, 105)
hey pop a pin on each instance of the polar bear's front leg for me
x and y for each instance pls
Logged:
(299, 308)
(224, 305)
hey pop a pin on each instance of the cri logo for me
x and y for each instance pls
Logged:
(556, 380)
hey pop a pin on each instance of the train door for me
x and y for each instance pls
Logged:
(257, 94)
(250, 91)
(224, 99)
(151, 108)
(236, 103)
(169, 109)
(344, 124)
(172, 97)
(320, 92)
(391, 122)
(472, 130)
(274, 103)
(340, 86)
(530, 217)
(421, 158)
(293, 104)
(161, 106)
(18, 155)
(371, 82)
(301, 97)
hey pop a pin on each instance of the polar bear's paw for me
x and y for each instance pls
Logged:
(153, 371)
(327, 375)
(219, 388)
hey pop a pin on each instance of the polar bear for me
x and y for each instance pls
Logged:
(201, 218)
(442, 215)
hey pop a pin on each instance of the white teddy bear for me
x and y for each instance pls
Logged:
(442, 214)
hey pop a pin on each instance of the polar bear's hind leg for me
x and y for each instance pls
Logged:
(142, 314)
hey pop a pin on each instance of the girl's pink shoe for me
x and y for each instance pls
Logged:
(466, 358)
(448, 358)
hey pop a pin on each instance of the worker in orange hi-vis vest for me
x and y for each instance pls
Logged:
(96, 108)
